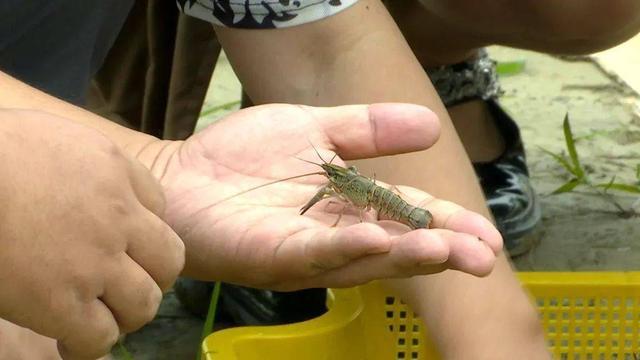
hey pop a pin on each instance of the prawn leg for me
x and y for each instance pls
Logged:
(344, 207)
(324, 192)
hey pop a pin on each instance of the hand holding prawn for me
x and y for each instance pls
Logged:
(259, 239)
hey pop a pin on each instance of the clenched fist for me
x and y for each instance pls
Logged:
(84, 253)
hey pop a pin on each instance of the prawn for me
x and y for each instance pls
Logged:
(360, 191)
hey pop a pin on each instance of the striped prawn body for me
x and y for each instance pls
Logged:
(358, 190)
(363, 193)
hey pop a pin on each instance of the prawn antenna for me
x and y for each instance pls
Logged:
(316, 151)
(263, 185)
(308, 161)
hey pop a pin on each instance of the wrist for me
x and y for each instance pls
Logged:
(153, 153)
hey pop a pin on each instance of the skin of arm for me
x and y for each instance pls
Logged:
(360, 56)
(197, 173)
(80, 179)
(15, 94)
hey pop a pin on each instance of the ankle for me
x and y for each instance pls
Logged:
(477, 131)
(463, 88)
(474, 78)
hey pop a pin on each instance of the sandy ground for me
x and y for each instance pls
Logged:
(581, 230)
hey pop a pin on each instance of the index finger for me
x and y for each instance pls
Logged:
(363, 131)
(92, 332)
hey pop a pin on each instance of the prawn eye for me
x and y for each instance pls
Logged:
(353, 169)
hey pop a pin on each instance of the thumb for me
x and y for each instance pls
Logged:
(362, 131)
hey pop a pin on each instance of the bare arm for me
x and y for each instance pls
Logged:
(192, 187)
(15, 94)
(359, 56)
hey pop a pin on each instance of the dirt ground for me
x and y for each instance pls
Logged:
(580, 231)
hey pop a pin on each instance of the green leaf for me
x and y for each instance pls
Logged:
(606, 188)
(561, 160)
(126, 355)
(571, 147)
(567, 187)
(509, 68)
(211, 314)
(621, 187)
(225, 106)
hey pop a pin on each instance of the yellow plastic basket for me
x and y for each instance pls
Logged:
(587, 316)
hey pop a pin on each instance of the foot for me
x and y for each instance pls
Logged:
(477, 130)
(492, 140)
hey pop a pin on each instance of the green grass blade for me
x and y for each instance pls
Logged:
(638, 173)
(561, 160)
(509, 68)
(611, 182)
(571, 147)
(567, 187)
(211, 315)
(126, 355)
(225, 106)
(620, 187)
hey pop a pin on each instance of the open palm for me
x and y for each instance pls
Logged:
(259, 239)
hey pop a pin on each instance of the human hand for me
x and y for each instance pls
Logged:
(85, 253)
(259, 239)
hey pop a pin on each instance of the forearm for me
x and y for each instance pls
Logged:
(368, 63)
(15, 94)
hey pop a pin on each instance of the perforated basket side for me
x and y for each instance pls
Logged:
(586, 316)
(393, 318)
(589, 316)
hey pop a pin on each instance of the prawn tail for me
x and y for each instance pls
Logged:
(395, 207)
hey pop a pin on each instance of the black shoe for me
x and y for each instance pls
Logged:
(239, 305)
(249, 306)
(505, 181)
(506, 185)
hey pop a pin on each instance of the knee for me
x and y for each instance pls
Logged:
(568, 26)
(581, 27)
